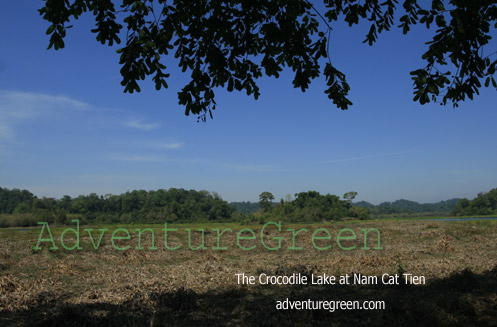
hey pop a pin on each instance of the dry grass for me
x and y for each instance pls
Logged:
(184, 287)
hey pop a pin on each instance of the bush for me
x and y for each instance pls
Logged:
(18, 220)
(44, 215)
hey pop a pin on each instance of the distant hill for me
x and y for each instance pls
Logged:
(364, 204)
(409, 207)
(401, 206)
(245, 207)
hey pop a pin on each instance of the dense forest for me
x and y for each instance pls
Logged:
(312, 206)
(173, 205)
(483, 204)
(245, 207)
(22, 208)
(409, 208)
(384, 209)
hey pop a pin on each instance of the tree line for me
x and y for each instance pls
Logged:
(406, 208)
(22, 208)
(398, 208)
(483, 204)
(311, 206)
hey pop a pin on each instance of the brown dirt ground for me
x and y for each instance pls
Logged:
(189, 288)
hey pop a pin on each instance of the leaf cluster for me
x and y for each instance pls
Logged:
(231, 44)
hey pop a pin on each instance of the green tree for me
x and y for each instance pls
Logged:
(461, 208)
(65, 203)
(484, 204)
(360, 212)
(11, 199)
(349, 196)
(312, 206)
(230, 44)
(266, 201)
(61, 217)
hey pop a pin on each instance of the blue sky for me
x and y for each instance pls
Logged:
(66, 127)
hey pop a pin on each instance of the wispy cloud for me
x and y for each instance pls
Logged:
(151, 158)
(5, 131)
(156, 158)
(377, 155)
(170, 145)
(140, 124)
(18, 105)
(136, 157)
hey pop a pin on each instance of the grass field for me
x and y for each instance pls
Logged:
(159, 287)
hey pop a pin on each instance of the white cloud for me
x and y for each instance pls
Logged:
(140, 124)
(5, 131)
(18, 105)
(135, 157)
(22, 105)
(170, 145)
(161, 158)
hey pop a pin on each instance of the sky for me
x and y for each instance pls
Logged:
(66, 127)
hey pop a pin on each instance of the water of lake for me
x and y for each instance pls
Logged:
(463, 219)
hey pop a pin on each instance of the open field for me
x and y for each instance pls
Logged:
(183, 287)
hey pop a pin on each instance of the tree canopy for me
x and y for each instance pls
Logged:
(406, 208)
(230, 44)
(313, 206)
(484, 204)
(349, 196)
(265, 200)
(172, 205)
